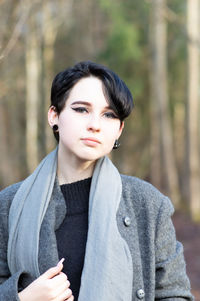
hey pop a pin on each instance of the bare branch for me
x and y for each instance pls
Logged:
(16, 32)
(172, 17)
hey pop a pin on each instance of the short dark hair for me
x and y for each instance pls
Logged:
(117, 93)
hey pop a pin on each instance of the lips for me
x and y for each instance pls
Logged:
(90, 141)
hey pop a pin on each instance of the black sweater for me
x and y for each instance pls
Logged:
(72, 234)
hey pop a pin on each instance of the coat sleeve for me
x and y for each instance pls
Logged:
(172, 282)
(9, 285)
(9, 288)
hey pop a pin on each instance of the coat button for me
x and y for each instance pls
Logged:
(140, 294)
(127, 221)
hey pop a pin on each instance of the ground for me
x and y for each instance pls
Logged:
(189, 234)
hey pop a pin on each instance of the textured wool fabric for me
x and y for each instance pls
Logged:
(157, 258)
(103, 266)
(72, 234)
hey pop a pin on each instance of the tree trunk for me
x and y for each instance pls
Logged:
(163, 167)
(50, 29)
(192, 153)
(49, 36)
(33, 70)
(6, 170)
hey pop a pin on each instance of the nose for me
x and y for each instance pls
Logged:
(94, 124)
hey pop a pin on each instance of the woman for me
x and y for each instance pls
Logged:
(114, 231)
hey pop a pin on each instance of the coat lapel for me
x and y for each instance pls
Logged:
(55, 214)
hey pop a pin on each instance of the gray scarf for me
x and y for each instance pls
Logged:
(107, 272)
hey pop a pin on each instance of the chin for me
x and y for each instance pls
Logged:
(92, 154)
(91, 157)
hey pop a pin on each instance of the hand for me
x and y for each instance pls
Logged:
(50, 286)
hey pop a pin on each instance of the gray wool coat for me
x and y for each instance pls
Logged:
(144, 221)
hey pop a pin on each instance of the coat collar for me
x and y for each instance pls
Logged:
(48, 255)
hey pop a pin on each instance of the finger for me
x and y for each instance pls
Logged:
(59, 280)
(52, 272)
(61, 262)
(66, 295)
(61, 289)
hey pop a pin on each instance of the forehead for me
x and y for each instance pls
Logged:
(88, 89)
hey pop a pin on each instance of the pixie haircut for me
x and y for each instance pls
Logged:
(116, 92)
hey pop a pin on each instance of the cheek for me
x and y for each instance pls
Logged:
(66, 129)
(112, 132)
(109, 140)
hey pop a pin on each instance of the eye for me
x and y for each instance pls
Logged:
(80, 109)
(110, 115)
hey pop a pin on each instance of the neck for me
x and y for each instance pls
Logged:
(73, 169)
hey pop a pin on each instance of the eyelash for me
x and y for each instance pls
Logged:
(110, 115)
(80, 109)
(84, 110)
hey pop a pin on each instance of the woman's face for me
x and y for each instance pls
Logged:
(88, 127)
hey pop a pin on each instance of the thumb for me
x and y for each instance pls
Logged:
(52, 272)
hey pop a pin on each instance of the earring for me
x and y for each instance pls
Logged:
(116, 144)
(55, 128)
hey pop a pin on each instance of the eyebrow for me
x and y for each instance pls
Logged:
(80, 102)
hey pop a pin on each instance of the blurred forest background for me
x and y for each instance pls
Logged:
(154, 45)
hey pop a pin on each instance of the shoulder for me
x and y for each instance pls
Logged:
(143, 195)
(7, 194)
(139, 187)
(6, 197)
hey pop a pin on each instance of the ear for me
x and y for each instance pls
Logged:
(52, 116)
(120, 129)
